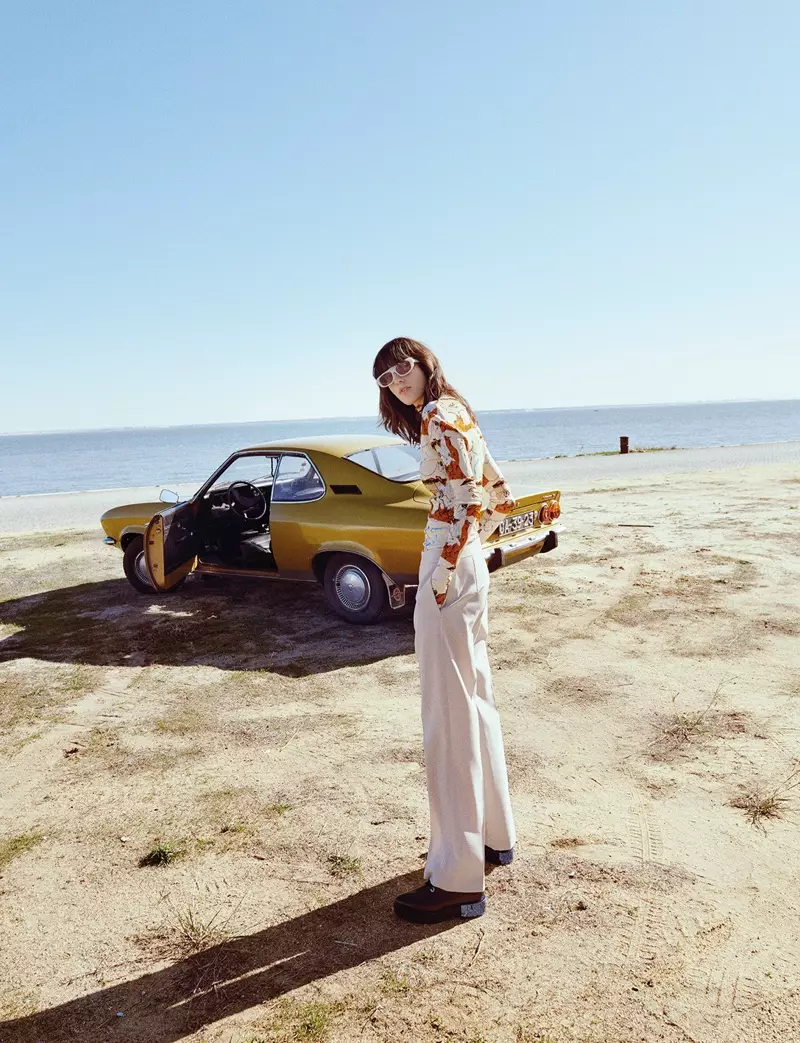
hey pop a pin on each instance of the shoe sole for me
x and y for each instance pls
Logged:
(448, 912)
(504, 858)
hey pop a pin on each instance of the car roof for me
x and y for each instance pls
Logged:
(335, 445)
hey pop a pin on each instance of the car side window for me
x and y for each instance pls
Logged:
(297, 480)
(257, 468)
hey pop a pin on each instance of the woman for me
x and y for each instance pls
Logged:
(471, 821)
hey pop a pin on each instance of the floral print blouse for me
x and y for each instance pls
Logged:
(469, 492)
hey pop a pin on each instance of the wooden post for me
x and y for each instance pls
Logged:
(623, 443)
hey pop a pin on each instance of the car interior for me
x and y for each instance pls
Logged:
(232, 523)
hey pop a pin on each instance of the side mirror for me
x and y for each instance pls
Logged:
(168, 496)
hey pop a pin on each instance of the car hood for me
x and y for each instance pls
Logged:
(139, 511)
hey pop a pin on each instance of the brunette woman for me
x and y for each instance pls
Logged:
(471, 820)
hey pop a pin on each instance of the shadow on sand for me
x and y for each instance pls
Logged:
(234, 976)
(285, 628)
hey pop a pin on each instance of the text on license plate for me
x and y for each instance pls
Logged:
(516, 523)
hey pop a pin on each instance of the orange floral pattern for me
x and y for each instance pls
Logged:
(469, 493)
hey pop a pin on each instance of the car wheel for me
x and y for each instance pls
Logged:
(355, 588)
(136, 571)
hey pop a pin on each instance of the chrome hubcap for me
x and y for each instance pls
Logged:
(141, 569)
(352, 587)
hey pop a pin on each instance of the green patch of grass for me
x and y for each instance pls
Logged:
(314, 1020)
(104, 746)
(182, 721)
(629, 609)
(235, 827)
(291, 1020)
(80, 679)
(610, 489)
(342, 866)
(637, 449)
(17, 1003)
(13, 847)
(101, 743)
(394, 985)
(12, 748)
(279, 808)
(23, 701)
(164, 853)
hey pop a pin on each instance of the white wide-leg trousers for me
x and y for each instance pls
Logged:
(464, 755)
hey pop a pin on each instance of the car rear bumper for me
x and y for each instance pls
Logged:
(538, 542)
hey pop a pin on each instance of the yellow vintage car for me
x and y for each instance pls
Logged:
(344, 511)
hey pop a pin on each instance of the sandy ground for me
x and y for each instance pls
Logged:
(648, 678)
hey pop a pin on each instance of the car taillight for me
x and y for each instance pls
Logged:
(555, 510)
(544, 514)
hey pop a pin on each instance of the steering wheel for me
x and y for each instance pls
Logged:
(246, 500)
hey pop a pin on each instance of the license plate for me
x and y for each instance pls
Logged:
(517, 523)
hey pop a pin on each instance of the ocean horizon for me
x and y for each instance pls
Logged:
(345, 416)
(115, 458)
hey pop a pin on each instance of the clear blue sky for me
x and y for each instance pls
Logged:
(219, 211)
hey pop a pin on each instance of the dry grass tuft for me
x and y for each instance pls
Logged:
(689, 728)
(195, 928)
(162, 854)
(761, 803)
(190, 925)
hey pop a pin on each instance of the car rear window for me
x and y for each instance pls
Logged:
(399, 462)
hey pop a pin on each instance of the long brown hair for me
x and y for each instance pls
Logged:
(396, 416)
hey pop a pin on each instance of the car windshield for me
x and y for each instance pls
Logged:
(256, 468)
(398, 462)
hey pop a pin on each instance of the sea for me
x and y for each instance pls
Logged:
(117, 458)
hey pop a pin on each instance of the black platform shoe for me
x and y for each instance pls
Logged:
(497, 858)
(429, 904)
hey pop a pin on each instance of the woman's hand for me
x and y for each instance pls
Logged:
(439, 596)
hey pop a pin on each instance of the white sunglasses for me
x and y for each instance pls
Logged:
(401, 369)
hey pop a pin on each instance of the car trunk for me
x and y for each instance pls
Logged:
(523, 532)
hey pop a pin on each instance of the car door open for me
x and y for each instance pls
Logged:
(170, 545)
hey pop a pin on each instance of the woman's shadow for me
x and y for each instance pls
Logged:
(234, 976)
(284, 628)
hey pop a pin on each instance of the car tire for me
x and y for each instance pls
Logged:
(355, 588)
(135, 572)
